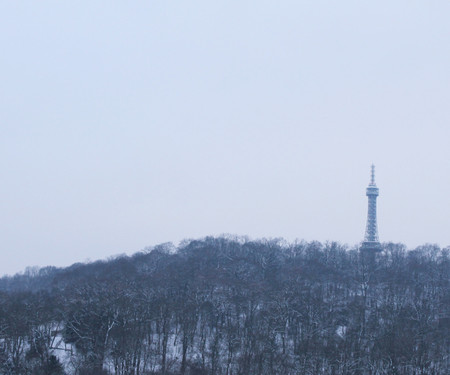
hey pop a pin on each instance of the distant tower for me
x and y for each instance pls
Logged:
(371, 242)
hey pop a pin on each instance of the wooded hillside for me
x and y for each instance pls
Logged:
(230, 306)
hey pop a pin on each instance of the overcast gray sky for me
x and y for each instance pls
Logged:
(125, 124)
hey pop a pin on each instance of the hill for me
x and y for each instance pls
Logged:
(232, 306)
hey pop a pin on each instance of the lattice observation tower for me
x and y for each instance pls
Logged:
(371, 242)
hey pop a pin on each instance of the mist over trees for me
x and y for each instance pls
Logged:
(231, 306)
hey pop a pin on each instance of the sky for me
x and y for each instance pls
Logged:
(125, 125)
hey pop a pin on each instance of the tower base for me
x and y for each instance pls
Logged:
(371, 246)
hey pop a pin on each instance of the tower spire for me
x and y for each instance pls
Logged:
(371, 242)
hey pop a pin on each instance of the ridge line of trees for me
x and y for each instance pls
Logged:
(231, 306)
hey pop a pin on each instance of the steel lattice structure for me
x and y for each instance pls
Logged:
(371, 241)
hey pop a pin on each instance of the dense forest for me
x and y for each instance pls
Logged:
(232, 306)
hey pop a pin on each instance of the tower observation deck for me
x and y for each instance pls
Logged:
(371, 242)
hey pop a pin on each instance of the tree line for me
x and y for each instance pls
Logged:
(231, 306)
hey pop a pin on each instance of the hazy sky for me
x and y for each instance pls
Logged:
(125, 124)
